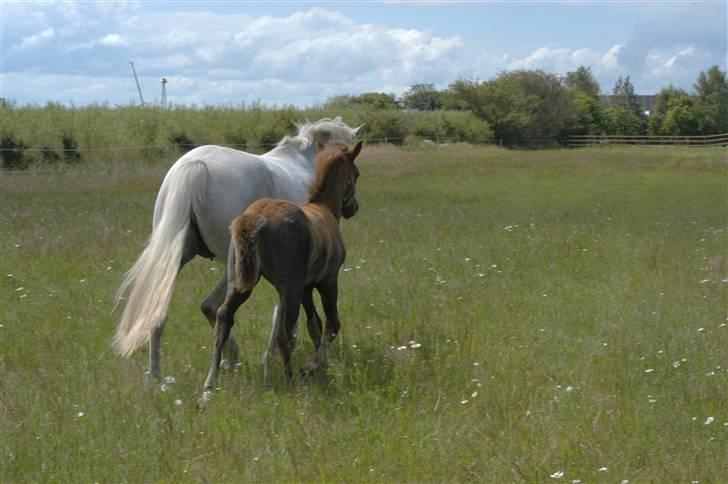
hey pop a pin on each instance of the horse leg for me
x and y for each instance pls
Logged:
(209, 308)
(289, 305)
(155, 342)
(329, 299)
(225, 319)
(154, 373)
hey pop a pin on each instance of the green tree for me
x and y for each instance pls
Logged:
(584, 89)
(371, 100)
(668, 98)
(376, 100)
(622, 121)
(422, 97)
(542, 108)
(711, 89)
(623, 96)
(582, 80)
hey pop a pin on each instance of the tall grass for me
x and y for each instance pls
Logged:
(507, 316)
(128, 133)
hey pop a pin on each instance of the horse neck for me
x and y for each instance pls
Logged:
(306, 158)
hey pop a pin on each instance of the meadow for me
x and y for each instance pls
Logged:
(507, 316)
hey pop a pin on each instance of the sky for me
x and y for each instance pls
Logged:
(302, 53)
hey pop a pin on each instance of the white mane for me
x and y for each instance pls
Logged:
(324, 129)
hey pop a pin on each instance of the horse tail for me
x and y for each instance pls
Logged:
(152, 277)
(247, 263)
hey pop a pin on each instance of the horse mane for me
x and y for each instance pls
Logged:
(326, 158)
(325, 129)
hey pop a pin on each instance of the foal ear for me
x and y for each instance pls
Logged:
(355, 151)
(319, 145)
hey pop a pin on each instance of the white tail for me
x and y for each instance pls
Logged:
(153, 275)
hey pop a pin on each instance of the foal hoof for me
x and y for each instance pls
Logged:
(224, 365)
(204, 400)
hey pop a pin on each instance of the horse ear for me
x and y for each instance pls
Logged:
(355, 151)
(356, 131)
(319, 145)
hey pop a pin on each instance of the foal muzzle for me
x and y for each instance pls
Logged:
(350, 207)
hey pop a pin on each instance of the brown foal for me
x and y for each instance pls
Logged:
(297, 248)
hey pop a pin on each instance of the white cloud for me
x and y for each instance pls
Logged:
(37, 39)
(300, 58)
(562, 60)
(113, 40)
(308, 55)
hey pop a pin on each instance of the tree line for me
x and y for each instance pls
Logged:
(527, 107)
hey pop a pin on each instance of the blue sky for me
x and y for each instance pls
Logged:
(302, 53)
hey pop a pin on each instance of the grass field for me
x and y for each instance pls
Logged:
(507, 316)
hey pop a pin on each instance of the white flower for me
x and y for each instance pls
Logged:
(602, 469)
(80, 414)
(178, 402)
(557, 475)
(709, 421)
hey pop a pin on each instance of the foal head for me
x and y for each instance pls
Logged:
(336, 177)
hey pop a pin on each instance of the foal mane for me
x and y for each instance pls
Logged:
(327, 158)
(325, 129)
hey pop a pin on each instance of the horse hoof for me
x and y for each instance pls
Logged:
(150, 381)
(224, 365)
(204, 400)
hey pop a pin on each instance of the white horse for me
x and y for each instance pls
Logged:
(201, 194)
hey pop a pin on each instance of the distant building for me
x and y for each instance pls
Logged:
(646, 101)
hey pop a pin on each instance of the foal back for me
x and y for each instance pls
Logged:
(290, 245)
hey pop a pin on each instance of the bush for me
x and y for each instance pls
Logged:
(13, 153)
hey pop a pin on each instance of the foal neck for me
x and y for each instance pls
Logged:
(328, 188)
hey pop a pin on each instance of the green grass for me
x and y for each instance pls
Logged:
(575, 291)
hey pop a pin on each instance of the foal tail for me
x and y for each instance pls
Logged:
(247, 263)
(152, 277)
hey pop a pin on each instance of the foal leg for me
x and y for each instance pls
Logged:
(329, 298)
(313, 322)
(271, 351)
(289, 305)
(225, 320)
(209, 308)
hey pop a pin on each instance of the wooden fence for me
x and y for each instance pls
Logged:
(583, 140)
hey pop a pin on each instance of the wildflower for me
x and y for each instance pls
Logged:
(178, 402)
(649, 370)
(557, 475)
(676, 364)
(474, 394)
(80, 414)
(169, 380)
(463, 402)
(602, 469)
(708, 421)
